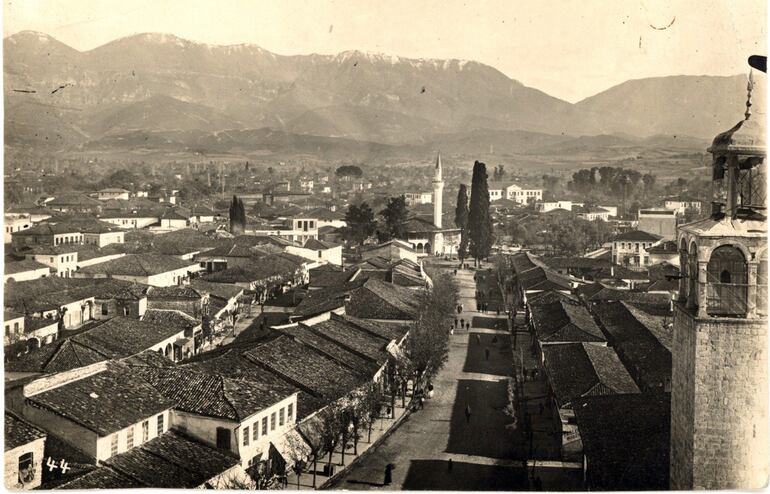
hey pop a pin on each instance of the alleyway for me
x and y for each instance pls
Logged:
(486, 452)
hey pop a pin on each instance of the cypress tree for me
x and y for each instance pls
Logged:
(479, 219)
(237, 216)
(461, 221)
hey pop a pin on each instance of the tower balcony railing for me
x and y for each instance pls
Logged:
(727, 299)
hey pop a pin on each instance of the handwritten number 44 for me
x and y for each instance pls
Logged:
(51, 464)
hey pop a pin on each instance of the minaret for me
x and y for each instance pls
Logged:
(438, 193)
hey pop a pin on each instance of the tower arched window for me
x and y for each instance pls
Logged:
(727, 282)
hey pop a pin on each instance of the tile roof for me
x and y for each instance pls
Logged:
(118, 337)
(306, 367)
(173, 292)
(139, 265)
(354, 338)
(637, 236)
(580, 369)
(105, 402)
(644, 350)
(170, 318)
(331, 348)
(549, 297)
(326, 299)
(596, 292)
(23, 266)
(212, 395)
(563, 321)
(626, 440)
(172, 460)
(380, 300)
(316, 244)
(19, 432)
(539, 278)
(102, 478)
(73, 200)
(224, 291)
(387, 330)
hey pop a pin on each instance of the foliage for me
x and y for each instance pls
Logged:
(237, 216)
(559, 234)
(461, 220)
(479, 219)
(360, 223)
(394, 216)
(349, 171)
(428, 343)
(498, 173)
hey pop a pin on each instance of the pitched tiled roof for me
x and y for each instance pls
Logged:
(326, 299)
(380, 300)
(169, 318)
(549, 297)
(224, 291)
(331, 348)
(354, 338)
(306, 367)
(580, 369)
(596, 292)
(565, 322)
(72, 200)
(172, 460)
(22, 266)
(316, 244)
(644, 350)
(48, 229)
(637, 236)
(386, 330)
(212, 395)
(626, 440)
(539, 278)
(173, 292)
(118, 337)
(104, 402)
(19, 432)
(139, 265)
(102, 478)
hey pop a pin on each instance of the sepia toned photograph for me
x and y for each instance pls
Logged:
(385, 245)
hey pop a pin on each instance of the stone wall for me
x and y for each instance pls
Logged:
(719, 434)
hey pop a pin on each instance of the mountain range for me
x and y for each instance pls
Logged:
(159, 85)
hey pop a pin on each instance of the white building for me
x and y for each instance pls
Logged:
(631, 248)
(24, 449)
(682, 205)
(415, 198)
(62, 260)
(25, 270)
(149, 269)
(15, 222)
(547, 206)
(113, 193)
(659, 222)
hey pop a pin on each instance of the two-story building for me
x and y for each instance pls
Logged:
(148, 269)
(631, 248)
(15, 222)
(48, 233)
(113, 193)
(546, 206)
(62, 260)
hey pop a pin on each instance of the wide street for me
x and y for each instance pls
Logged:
(438, 448)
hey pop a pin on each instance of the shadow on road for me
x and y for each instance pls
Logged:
(486, 433)
(489, 323)
(500, 356)
(435, 475)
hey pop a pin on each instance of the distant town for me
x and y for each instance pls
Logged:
(484, 310)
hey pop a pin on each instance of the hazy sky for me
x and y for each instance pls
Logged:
(569, 49)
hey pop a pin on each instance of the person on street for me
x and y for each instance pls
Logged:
(486, 353)
(468, 414)
(449, 464)
(451, 331)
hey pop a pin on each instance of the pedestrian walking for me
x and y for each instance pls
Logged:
(449, 464)
(494, 339)
(468, 414)
(452, 331)
(486, 353)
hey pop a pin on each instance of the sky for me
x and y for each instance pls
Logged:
(569, 49)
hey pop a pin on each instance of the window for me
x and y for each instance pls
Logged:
(264, 426)
(280, 417)
(105, 310)
(130, 437)
(16, 326)
(223, 438)
(126, 311)
(145, 430)
(160, 424)
(289, 411)
(272, 421)
(246, 436)
(114, 445)
(26, 467)
(255, 431)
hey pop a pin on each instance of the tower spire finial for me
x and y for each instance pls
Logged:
(749, 88)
